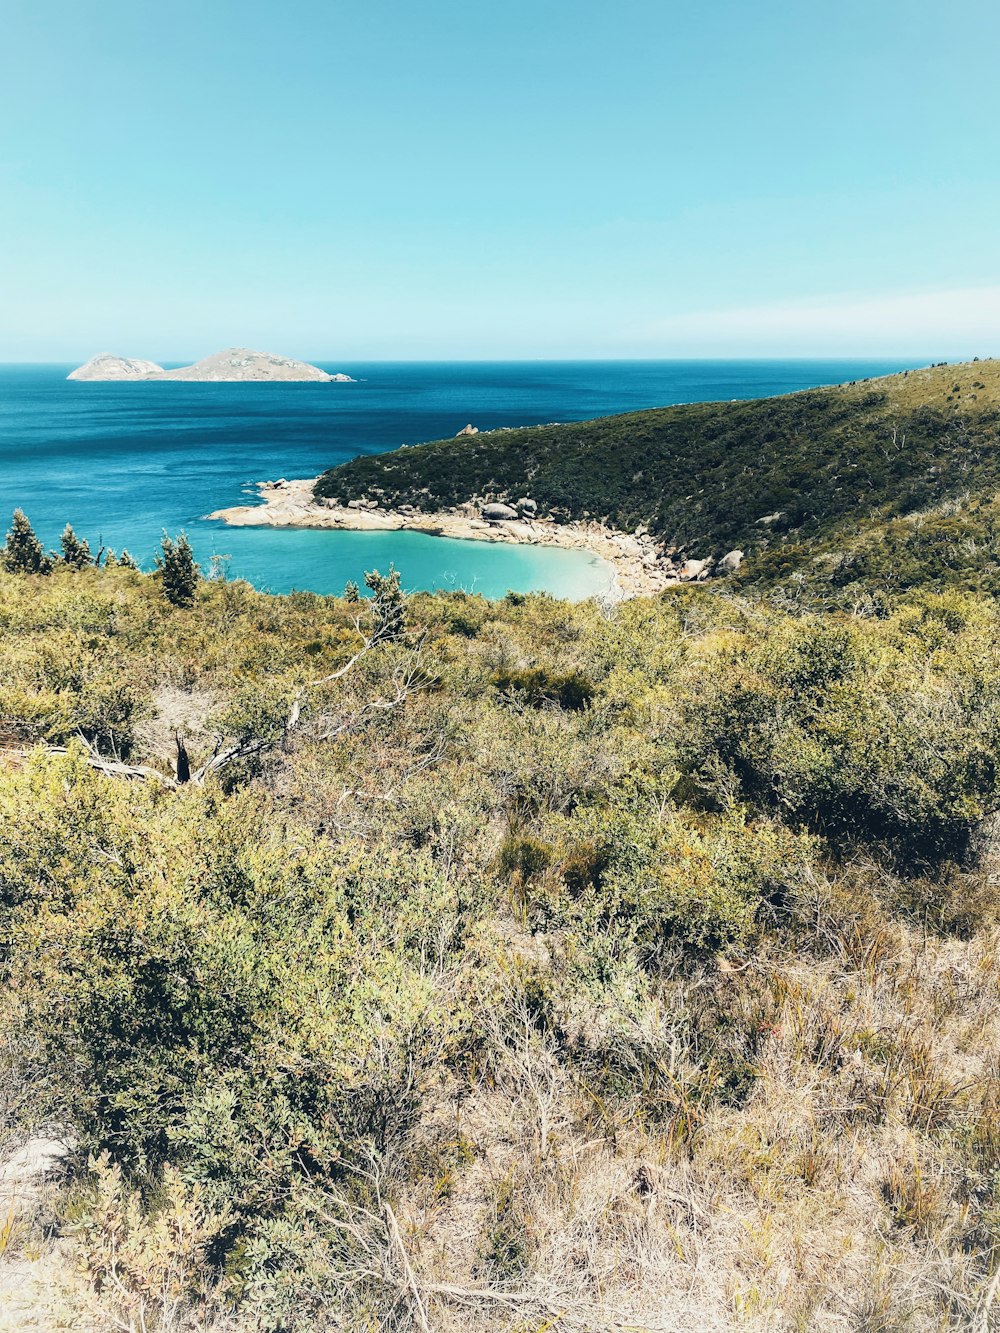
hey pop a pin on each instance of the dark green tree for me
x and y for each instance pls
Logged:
(125, 561)
(179, 572)
(23, 552)
(75, 553)
(352, 593)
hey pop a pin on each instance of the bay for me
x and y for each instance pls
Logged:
(125, 462)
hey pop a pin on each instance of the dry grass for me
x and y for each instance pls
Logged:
(849, 1191)
(968, 384)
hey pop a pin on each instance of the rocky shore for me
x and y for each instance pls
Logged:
(641, 564)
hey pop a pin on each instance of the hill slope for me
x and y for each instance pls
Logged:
(763, 475)
(641, 969)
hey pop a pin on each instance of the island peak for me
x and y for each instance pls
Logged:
(105, 366)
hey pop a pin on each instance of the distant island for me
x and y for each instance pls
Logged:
(235, 365)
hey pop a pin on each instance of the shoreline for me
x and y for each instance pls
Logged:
(638, 569)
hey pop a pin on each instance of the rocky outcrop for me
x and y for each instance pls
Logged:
(497, 512)
(730, 562)
(470, 429)
(235, 365)
(695, 569)
(104, 366)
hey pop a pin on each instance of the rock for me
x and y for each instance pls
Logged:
(768, 519)
(356, 504)
(470, 429)
(730, 562)
(528, 507)
(495, 512)
(695, 569)
(406, 509)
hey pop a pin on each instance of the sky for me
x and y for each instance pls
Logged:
(528, 179)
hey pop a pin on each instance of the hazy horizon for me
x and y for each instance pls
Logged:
(322, 360)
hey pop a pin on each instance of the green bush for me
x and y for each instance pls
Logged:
(537, 686)
(23, 552)
(854, 729)
(178, 570)
(660, 878)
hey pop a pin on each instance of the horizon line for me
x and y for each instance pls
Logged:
(563, 360)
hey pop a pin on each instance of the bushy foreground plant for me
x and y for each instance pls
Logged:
(879, 731)
(507, 971)
(241, 1007)
(658, 876)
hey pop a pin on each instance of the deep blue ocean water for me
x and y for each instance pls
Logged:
(124, 462)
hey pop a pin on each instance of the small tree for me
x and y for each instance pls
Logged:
(125, 561)
(386, 605)
(75, 553)
(178, 569)
(352, 593)
(24, 553)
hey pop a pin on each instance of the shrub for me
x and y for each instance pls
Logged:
(537, 686)
(387, 606)
(23, 553)
(75, 553)
(851, 728)
(250, 1011)
(178, 570)
(660, 877)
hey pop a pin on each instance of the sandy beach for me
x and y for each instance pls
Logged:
(636, 559)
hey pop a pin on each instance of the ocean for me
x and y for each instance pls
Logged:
(125, 462)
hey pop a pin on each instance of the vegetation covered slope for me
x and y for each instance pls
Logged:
(529, 966)
(779, 476)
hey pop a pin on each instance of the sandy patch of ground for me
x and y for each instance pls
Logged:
(41, 1290)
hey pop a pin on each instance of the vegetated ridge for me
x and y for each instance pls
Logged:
(235, 365)
(893, 476)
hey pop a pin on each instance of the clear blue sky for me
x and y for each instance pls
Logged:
(532, 178)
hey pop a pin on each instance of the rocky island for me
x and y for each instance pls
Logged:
(235, 365)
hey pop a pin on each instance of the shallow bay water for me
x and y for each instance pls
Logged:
(124, 462)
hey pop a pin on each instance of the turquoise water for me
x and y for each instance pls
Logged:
(123, 462)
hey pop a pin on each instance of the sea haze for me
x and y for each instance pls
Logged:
(124, 462)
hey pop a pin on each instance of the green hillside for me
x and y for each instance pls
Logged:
(777, 477)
